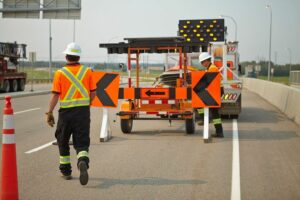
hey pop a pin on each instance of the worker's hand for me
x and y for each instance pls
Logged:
(50, 119)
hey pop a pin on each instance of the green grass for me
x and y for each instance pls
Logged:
(43, 73)
(36, 73)
(277, 79)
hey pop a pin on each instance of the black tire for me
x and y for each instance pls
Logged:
(190, 126)
(234, 116)
(14, 85)
(126, 125)
(6, 86)
(21, 85)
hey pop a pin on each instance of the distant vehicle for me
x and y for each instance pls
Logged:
(10, 79)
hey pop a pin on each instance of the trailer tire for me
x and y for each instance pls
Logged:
(234, 116)
(190, 126)
(14, 85)
(126, 125)
(6, 86)
(21, 85)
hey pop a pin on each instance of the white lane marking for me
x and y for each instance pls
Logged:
(40, 148)
(235, 183)
(23, 111)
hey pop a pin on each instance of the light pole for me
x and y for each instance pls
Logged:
(270, 41)
(74, 28)
(290, 53)
(223, 16)
(50, 51)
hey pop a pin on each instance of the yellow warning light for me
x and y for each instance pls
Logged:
(201, 39)
(211, 34)
(185, 35)
(208, 30)
(198, 26)
(195, 30)
(184, 26)
(198, 35)
(181, 31)
(211, 26)
(215, 39)
(188, 39)
(201, 22)
(188, 22)
(215, 21)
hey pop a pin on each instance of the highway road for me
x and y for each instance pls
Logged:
(158, 161)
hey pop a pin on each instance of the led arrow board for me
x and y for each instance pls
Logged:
(202, 30)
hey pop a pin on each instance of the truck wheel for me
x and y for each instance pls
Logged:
(21, 85)
(126, 125)
(189, 126)
(6, 86)
(14, 85)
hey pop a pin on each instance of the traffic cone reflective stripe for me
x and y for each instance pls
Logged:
(9, 185)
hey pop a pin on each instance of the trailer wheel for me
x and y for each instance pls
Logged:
(126, 125)
(21, 85)
(14, 85)
(234, 116)
(190, 126)
(6, 86)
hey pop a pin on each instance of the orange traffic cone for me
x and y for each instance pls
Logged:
(9, 188)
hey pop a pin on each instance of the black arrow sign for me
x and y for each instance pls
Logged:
(101, 93)
(150, 93)
(201, 86)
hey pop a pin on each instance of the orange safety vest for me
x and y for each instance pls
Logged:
(74, 84)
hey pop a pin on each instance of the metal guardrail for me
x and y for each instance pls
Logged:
(294, 78)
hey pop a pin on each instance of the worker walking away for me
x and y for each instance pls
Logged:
(205, 60)
(74, 88)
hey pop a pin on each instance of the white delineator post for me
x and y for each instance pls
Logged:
(206, 136)
(105, 132)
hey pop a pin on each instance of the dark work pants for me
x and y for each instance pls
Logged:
(216, 118)
(76, 122)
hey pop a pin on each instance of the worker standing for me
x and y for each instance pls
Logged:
(205, 60)
(74, 88)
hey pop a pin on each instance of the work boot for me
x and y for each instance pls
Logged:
(67, 176)
(84, 176)
(219, 131)
(200, 123)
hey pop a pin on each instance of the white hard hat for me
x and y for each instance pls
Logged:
(73, 49)
(204, 56)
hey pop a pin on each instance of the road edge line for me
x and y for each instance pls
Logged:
(235, 181)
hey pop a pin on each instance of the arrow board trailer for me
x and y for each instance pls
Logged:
(156, 103)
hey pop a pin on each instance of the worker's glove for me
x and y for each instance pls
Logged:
(50, 119)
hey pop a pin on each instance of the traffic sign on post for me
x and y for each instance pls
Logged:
(206, 89)
(107, 91)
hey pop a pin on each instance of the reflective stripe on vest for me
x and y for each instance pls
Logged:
(82, 154)
(200, 111)
(64, 160)
(217, 121)
(76, 84)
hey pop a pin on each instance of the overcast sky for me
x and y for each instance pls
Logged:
(112, 20)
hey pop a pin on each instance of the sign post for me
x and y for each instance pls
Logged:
(32, 59)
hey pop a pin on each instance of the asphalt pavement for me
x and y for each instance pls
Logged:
(159, 161)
